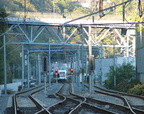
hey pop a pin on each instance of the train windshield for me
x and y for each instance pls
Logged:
(62, 74)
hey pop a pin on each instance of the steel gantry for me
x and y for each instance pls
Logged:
(36, 36)
(68, 37)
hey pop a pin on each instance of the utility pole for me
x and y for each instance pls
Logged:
(90, 64)
(101, 66)
(78, 67)
(82, 58)
(28, 67)
(53, 7)
(45, 72)
(5, 74)
(24, 11)
(123, 11)
(39, 68)
(86, 57)
(49, 62)
(114, 63)
(22, 54)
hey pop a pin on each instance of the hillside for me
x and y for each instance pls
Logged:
(68, 7)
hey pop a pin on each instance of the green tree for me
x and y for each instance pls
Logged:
(137, 90)
(3, 27)
(11, 55)
(124, 72)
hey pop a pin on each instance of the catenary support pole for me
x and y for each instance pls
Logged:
(90, 71)
(39, 69)
(28, 67)
(49, 66)
(114, 63)
(82, 59)
(5, 75)
(22, 66)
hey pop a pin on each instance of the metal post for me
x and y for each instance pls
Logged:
(49, 65)
(101, 67)
(31, 36)
(114, 67)
(25, 11)
(53, 7)
(71, 61)
(123, 11)
(39, 69)
(75, 67)
(78, 67)
(28, 66)
(82, 59)
(76, 78)
(45, 80)
(90, 72)
(22, 66)
(5, 75)
(127, 49)
(86, 68)
(36, 70)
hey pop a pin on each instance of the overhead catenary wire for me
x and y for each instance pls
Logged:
(97, 12)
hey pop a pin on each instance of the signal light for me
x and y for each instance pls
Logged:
(45, 64)
(91, 62)
(71, 71)
(56, 71)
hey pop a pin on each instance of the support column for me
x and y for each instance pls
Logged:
(78, 68)
(31, 35)
(63, 33)
(114, 64)
(82, 59)
(86, 58)
(39, 70)
(90, 71)
(127, 48)
(22, 66)
(28, 67)
(5, 74)
(49, 62)
(101, 73)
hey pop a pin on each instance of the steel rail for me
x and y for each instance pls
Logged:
(14, 108)
(81, 104)
(39, 105)
(121, 94)
(113, 107)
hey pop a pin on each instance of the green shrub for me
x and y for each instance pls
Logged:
(9, 91)
(137, 90)
(124, 74)
(126, 85)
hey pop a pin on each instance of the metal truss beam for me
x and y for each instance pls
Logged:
(64, 34)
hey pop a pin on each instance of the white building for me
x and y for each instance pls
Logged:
(103, 65)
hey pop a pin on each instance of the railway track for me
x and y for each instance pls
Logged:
(130, 101)
(72, 103)
(24, 103)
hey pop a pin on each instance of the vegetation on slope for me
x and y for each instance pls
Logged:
(125, 77)
(54, 6)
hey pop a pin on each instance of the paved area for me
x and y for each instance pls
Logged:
(3, 103)
(48, 99)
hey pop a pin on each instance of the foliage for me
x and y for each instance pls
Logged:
(126, 85)
(11, 55)
(3, 24)
(9, 91)
(124, 72)
(137, 90)
(67, 7)
(3, 27)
